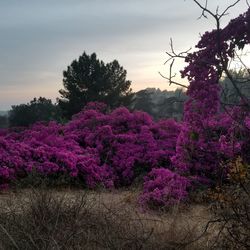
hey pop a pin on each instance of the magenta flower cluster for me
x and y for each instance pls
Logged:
(162, 187)
(97, 148)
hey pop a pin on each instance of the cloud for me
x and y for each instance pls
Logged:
(40, 38)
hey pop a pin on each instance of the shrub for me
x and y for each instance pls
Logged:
(231, 208)
(95, 148)
(163, 187)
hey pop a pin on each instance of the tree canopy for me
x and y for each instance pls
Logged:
(90, 79)
(229, 95)
(3, 121)
(40, 109)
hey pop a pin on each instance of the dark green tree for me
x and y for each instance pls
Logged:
(89, 79)
(40, 109)
(229, 95)
(3, 121)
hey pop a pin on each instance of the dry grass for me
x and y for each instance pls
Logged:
(66, 219)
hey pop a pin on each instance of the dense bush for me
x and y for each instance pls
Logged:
(111, 149)
(97, 148)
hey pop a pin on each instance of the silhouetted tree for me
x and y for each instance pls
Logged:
(40, 109)
(90, 79)
(3, 121)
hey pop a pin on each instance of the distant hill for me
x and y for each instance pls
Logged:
(160, 104)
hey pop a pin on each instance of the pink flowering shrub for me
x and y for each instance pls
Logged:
(46, 150)
(207, 139)
(129, 143)
(95, 148)
(162, 187)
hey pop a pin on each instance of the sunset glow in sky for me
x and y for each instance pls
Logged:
(39, 39)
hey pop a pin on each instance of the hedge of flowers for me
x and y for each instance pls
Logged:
(111, 149)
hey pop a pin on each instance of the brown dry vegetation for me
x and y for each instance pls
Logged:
(73, 219)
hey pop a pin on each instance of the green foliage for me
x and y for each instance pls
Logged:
(89, 79)
(40, 109)
(229, 95)
(34, 179)
(3, 121)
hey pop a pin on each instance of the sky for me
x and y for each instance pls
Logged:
(39, 39)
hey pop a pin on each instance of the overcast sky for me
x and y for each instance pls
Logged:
(39, 39)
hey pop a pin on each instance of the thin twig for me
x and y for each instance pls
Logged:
(229, 7)
(176, 83)
(10, 237)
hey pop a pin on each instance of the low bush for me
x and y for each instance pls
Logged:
(162, 187)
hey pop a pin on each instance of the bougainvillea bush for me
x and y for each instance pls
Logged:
(96, 148)
(111, 148)
(207, 138)
(163, 187)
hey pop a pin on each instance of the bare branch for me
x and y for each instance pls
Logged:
(216, 15)
(229, 7)
(173, 54)
(170, 72)
(217, 10)
(205, 10)
(171, 81)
